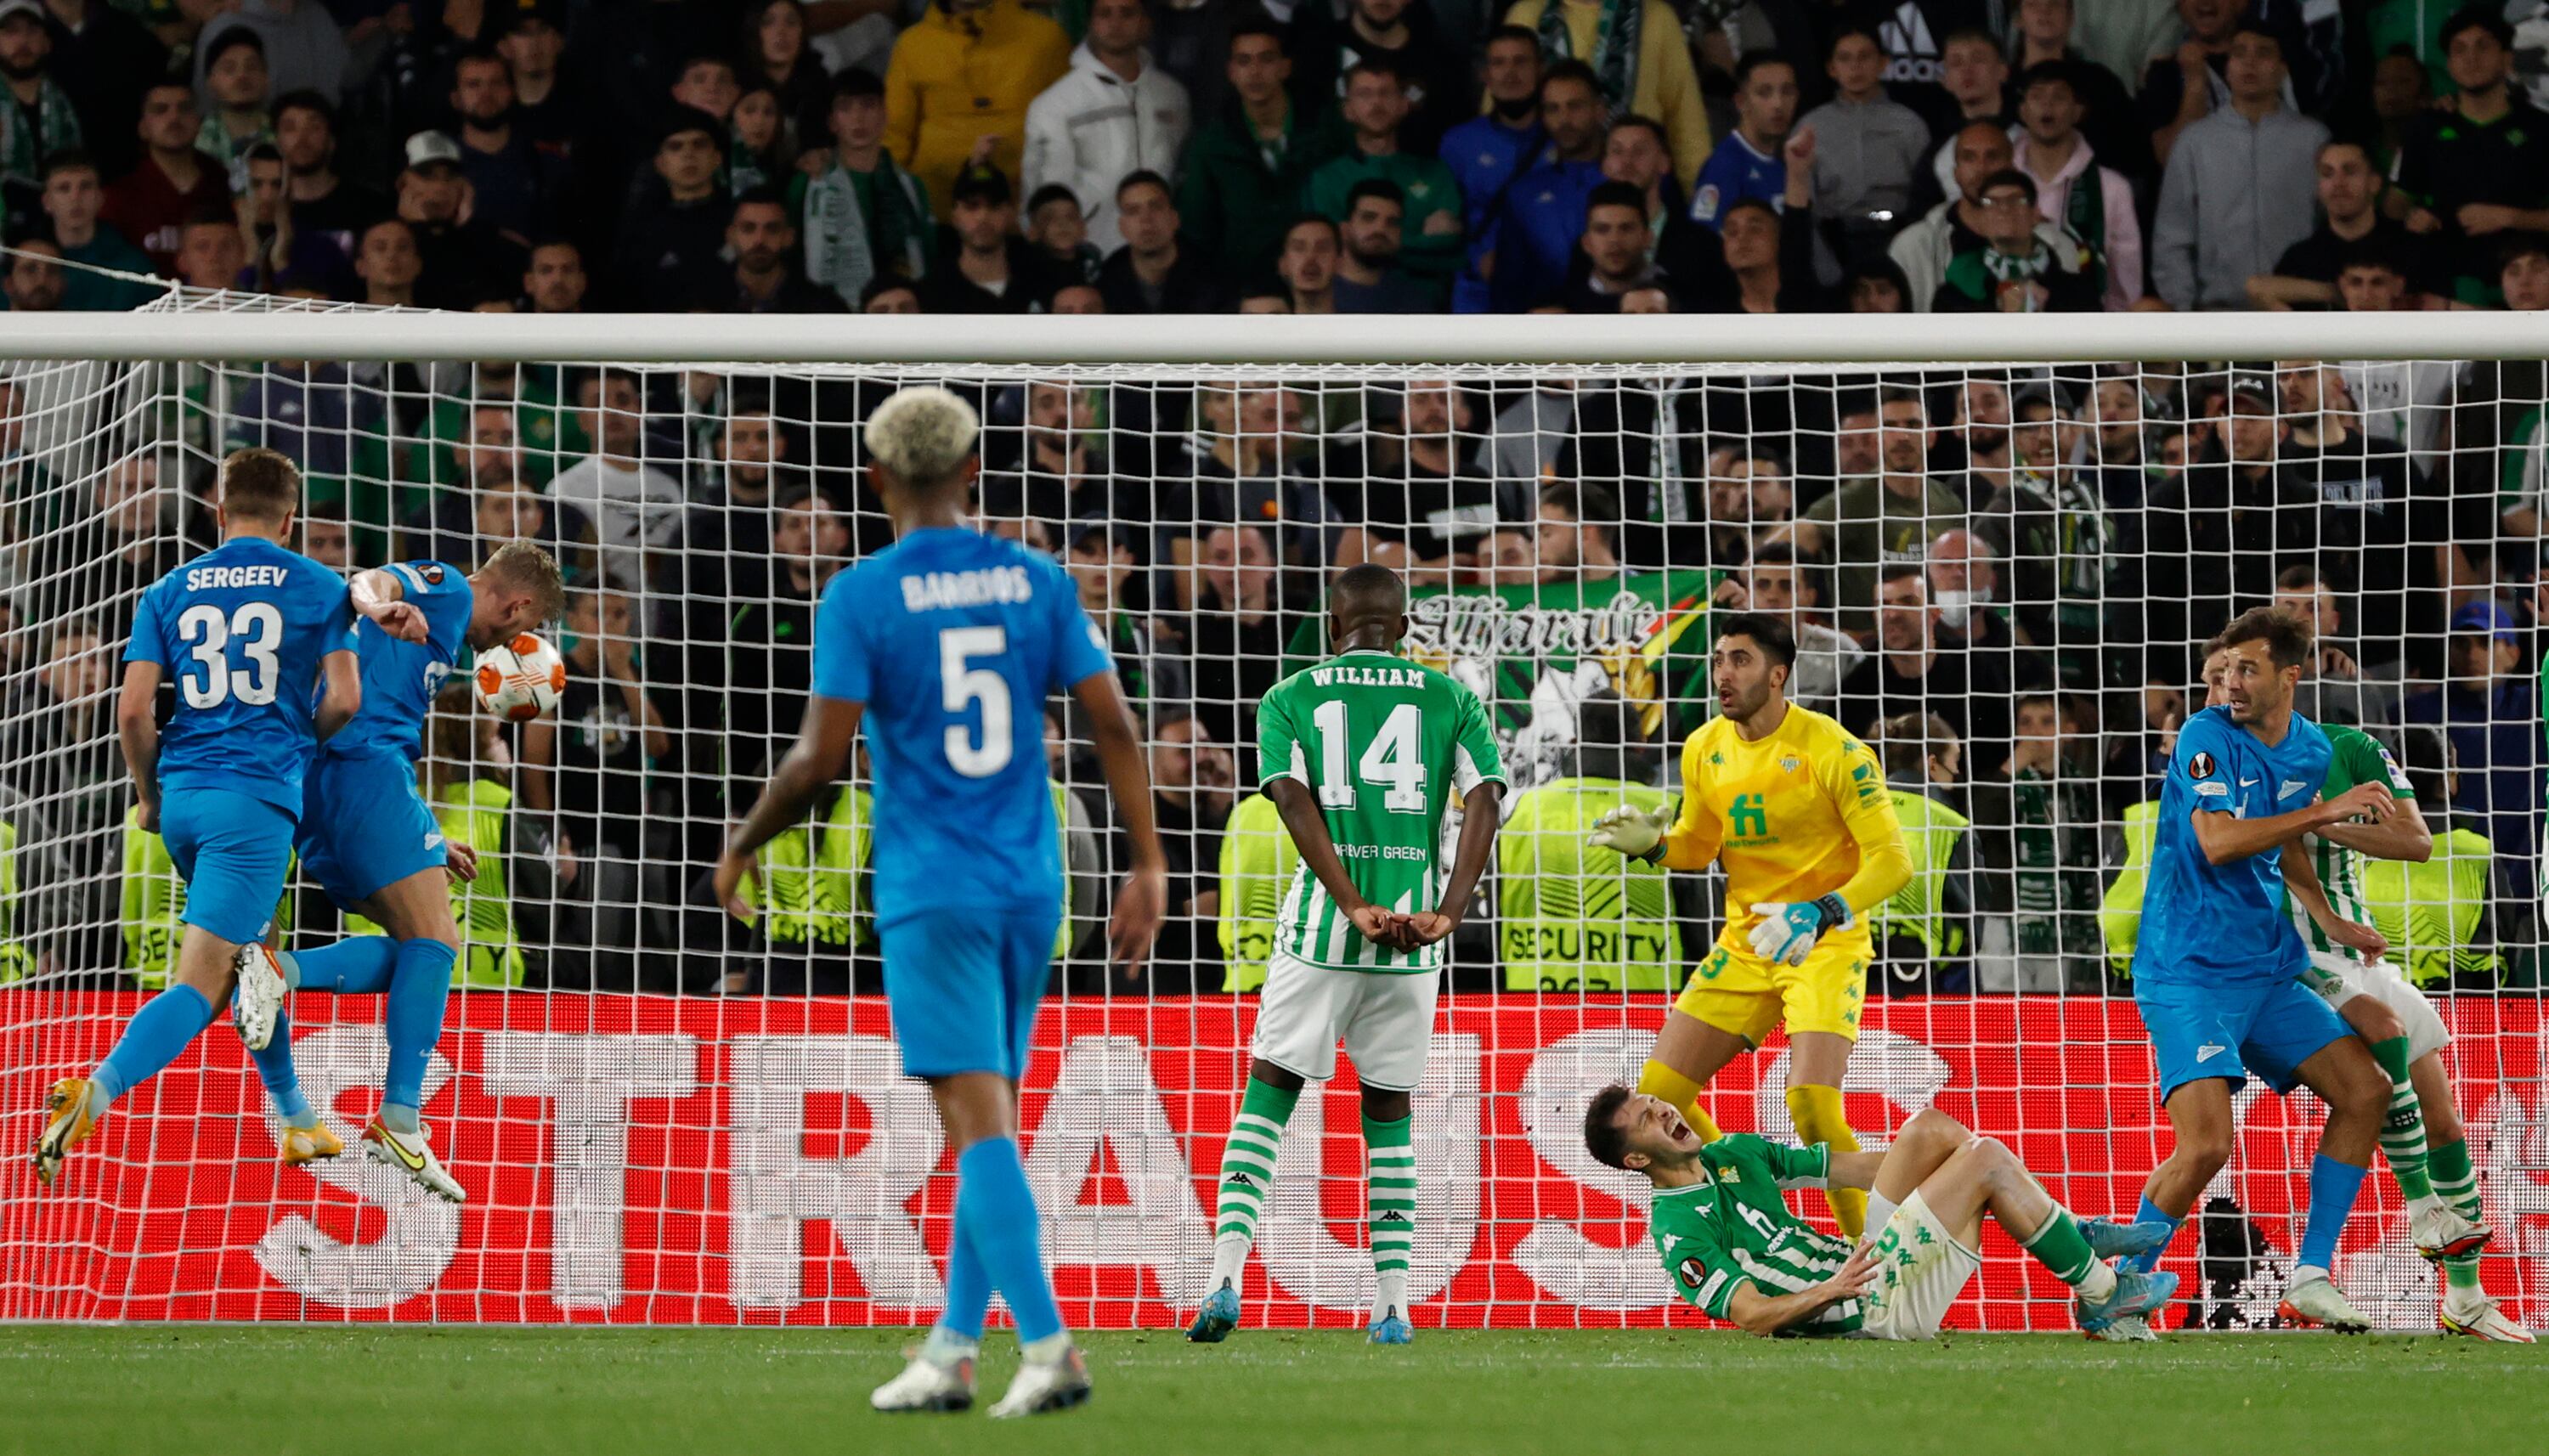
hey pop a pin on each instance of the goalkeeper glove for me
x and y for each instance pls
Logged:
(1636, 833)
(1788, 930)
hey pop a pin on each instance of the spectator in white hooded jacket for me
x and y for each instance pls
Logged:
(1112, 114)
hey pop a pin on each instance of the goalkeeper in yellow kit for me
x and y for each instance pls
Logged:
(1795, 808)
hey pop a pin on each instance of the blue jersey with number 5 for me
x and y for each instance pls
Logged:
(242, 629)
(400, 679)
(953, 640)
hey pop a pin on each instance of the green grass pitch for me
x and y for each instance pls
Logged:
(333, 1391)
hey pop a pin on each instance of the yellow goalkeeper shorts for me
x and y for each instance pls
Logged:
(1737, 991)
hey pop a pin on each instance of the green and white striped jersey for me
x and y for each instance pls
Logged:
(2355, 757)
(1386, 746)
(1734, 1227)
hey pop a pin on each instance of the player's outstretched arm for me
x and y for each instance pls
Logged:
(379, 596)
(1144, 896)
(1756, 1312)
(821, 754)
(1480, 815)
(136, 726)
(2225, 836)
(2302, 881)
(1318, 852)
(342, 673)
(2403, 836)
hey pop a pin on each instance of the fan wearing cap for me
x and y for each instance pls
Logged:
(235, 86)
(983, 266)
(299, 41)
(2220, 532)
(671, 238)
(39, 119)
(462, 256)
(2491, 713)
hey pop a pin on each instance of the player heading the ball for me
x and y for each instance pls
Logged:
(1363, 755)
(1733, 1249)
(945, 647)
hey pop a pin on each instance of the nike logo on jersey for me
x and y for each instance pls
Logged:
(2247, 784)
(2209, 1050)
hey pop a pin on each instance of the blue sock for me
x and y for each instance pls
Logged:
(996, 1212)
(2332, 1188)
(282, 1083)
(2150, 1213)
(968, 1289)
(357, 966)
(154, 1037)
(418, 991)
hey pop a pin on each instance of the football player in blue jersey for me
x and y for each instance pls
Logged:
(370, 841)
(946, 646)
(2217, 973)
(250, 631)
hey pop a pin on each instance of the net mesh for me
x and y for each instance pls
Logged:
(1998, 575)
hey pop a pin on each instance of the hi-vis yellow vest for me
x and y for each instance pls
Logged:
(491, 954)
(2429, 912)
(155, 905)
(1930, 832)
(17, 962)
(1257, 865)
(1565, 922)
(807, 892)
(2120, 914)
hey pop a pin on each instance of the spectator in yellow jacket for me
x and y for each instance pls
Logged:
(965, 72)
(1652, 78)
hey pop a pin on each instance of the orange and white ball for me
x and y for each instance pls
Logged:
(520, 679)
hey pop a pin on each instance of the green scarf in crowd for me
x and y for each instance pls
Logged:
(23, 151)
(1616, 38)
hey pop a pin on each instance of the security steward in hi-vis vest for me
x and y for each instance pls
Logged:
(17, 961)
(1922, 929)
(2120, 914)
(1257, 865)
(1568, 920)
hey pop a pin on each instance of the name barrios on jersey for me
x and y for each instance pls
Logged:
(990, 586)
(220, 578)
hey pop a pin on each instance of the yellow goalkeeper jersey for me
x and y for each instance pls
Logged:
(1790, 817)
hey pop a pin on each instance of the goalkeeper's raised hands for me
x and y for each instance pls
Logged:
(1627, 830)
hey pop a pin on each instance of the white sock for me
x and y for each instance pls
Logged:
(1048, 1350)
(2097, 1282)
(1229, 1259)
(1879, 1209)
(2305, 1273)
(945, 1346)
(1392, 1298)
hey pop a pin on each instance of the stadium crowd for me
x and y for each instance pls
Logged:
(1998, 577)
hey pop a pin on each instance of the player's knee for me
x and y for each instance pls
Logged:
(1934, 1130)
(2360, 1088)
(2373, 1020)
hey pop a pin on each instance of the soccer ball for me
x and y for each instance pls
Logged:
(520, 679)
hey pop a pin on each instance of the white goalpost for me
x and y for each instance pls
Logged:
(2000, 541)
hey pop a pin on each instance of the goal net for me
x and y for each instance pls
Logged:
(1999, 572)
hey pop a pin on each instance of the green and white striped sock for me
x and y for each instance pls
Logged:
(2403, 1131)
(2456, 1181)
(1246, 1174)
(1392, 1210)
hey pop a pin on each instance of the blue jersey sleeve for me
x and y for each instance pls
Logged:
(442, 594)
(841, 667)
(2203, 764)
(333, 598)
(150, 640)
(1079, 647)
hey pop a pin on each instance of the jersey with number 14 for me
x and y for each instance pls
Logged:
(952, 640)
(1386, 746)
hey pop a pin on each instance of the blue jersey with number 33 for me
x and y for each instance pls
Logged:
(241, 629)
(953, 640)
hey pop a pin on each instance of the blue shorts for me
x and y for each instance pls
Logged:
(363, 826)
(235, 853)
(963, 986)
(2266, 1030)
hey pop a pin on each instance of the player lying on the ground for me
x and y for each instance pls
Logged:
(943, 648)
(251, 630)
(2423, 1138)
(2217, 973)
(1363, 755)
(1734, 1249)
(369, 841)
(1795, 808)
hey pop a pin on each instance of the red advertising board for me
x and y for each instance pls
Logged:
(660, 1160)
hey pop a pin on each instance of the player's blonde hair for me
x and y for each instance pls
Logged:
(923, 436)
(525, 566)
